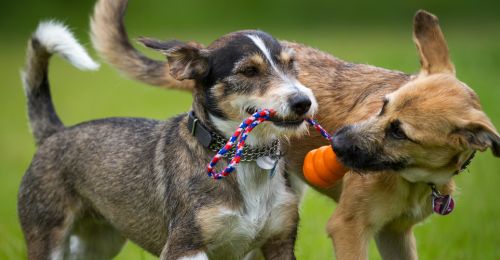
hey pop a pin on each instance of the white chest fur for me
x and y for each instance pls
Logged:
(265, 212)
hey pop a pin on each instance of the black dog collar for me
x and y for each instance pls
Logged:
(198, 130)
(215, 142)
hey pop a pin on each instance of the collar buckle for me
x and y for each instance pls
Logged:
(199, 131)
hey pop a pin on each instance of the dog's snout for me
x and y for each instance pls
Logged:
(300, 104)
(341, 142)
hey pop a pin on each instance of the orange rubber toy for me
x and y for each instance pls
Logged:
(321, 167)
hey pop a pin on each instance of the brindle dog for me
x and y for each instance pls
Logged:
(92, 186)
(406, 131)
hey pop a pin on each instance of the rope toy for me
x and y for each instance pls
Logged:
(239, 137)
(320, 129)
(241, 132)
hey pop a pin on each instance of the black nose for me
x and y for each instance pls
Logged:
(300, 104)
(341, 142)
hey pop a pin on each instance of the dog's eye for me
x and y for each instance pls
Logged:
(395, 131)
(250, 71)
(291, 63)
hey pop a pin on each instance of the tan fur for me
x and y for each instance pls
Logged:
(441, 114)
(124, 56)
(287, 55)
(431, 106)
(257, 61)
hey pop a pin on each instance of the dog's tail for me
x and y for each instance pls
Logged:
(111, 42)
(49, 38)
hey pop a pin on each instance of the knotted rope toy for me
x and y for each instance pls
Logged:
(241, 132)
(240, 135)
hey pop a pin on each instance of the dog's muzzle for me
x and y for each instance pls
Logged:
(358, 158)
(300, 104)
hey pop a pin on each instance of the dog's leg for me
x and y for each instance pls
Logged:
(184, 242)
(349, 234)
(284, 221)
(282, 245)
(46, 213)
(352, 225)
(255, 254)
(396, 243)
(94, 238)
(279, 248)
(192, 255)
(47, 241)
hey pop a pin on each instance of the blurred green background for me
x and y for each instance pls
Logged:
(363, 31)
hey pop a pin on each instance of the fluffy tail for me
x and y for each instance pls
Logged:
(111, 42)
(49, 38)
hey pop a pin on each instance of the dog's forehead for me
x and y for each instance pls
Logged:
(440, 92)
(228, 50)
(242, 43)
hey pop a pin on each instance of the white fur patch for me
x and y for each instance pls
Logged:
(264, 213)
(199, 256)
(57, 38)
(57, 254)
(263, 196)
(75, 245)
(262, 46)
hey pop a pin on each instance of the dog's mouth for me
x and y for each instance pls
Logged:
(277, 120)
(363, 166)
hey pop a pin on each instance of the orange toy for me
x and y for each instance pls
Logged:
(321, 167)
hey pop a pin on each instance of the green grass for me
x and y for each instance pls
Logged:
(470, 232)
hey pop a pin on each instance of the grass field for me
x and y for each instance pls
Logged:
(470, 232)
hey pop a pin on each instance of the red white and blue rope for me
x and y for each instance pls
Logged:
(320, 129)
(241, 132)
(240, 135)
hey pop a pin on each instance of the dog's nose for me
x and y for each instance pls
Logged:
(341, 142)
(300, 104)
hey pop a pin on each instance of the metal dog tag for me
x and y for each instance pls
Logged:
(442, 204)
(266, 162)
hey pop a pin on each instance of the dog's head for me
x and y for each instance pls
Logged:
(428, 129)
(238, 74)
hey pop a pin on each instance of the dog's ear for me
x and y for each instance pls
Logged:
(480, 134)
(431, 45)
(186, 60)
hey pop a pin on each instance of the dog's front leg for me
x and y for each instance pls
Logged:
(279, 248)
(349, 233)
(396, 243)
(353, 223)
(183, 244)
(187, 255)
(281, 243)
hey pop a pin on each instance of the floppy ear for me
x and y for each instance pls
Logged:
(431, 45)
(480, 135)
(185, 60)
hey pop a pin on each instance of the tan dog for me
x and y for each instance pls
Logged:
(407, 131)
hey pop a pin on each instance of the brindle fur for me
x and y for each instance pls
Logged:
(389, 201)
(93, 185)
